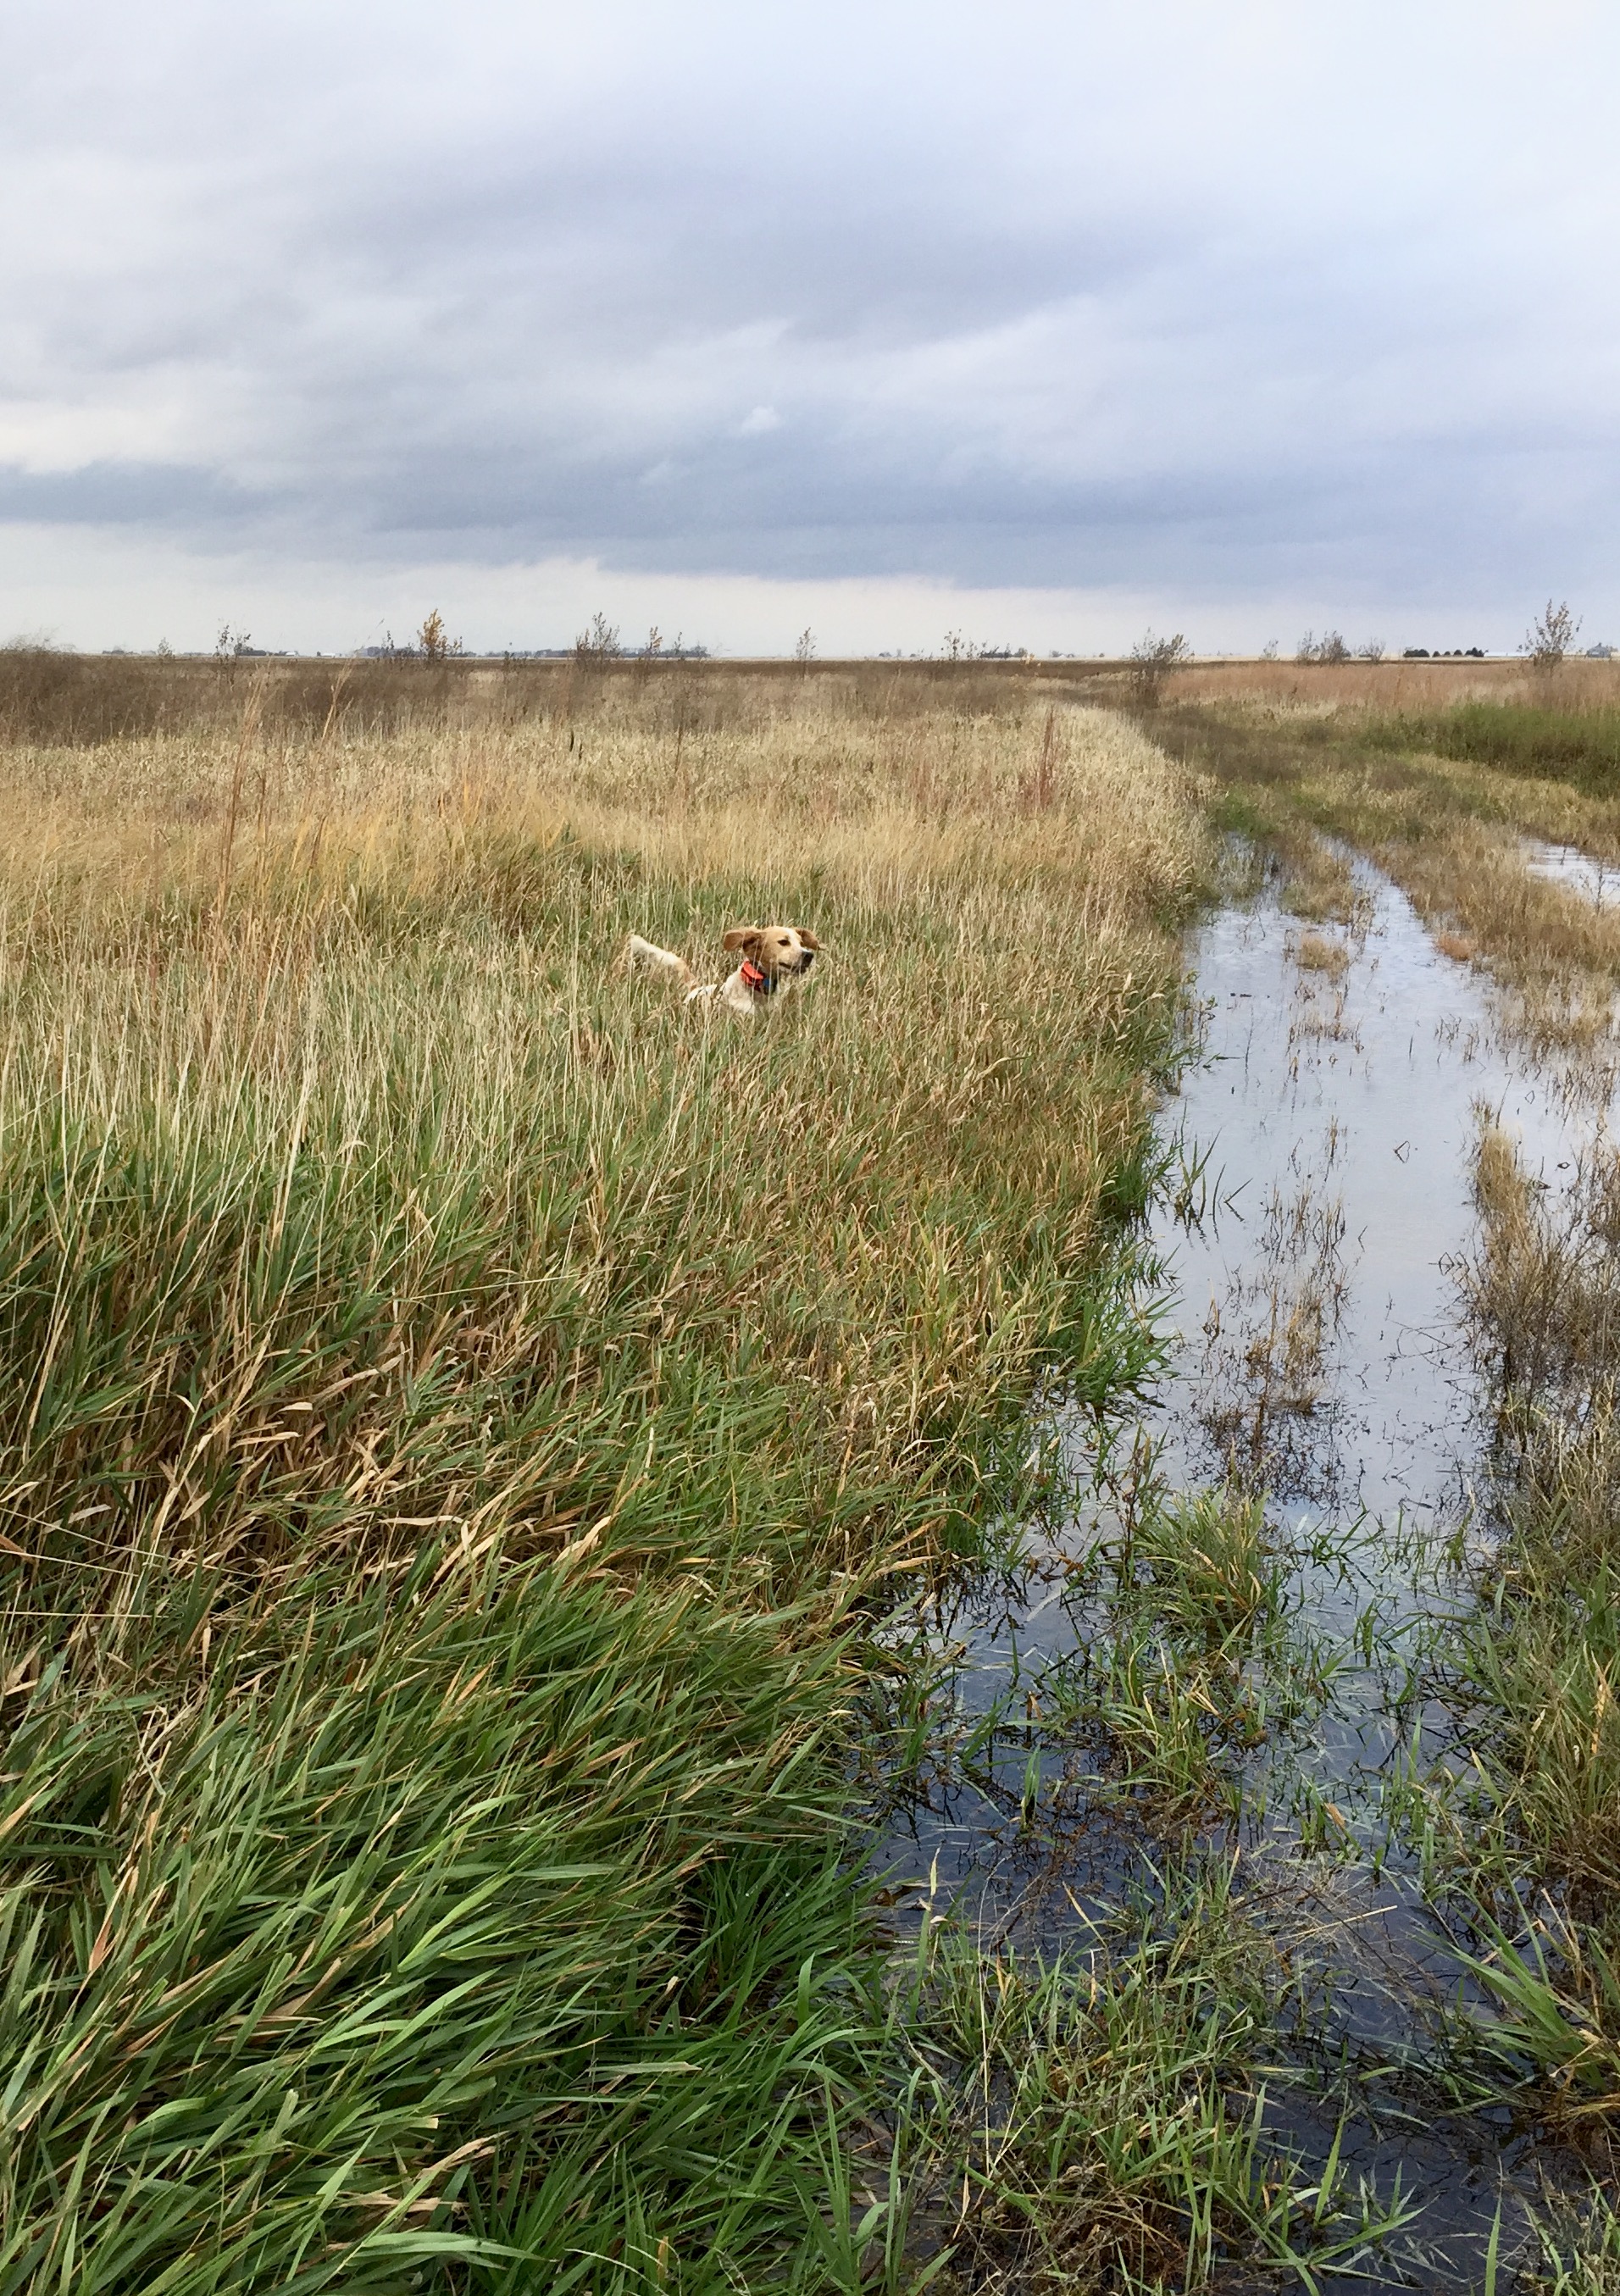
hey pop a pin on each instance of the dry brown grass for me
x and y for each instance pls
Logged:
(994, 801)
(1288, 688)
(1314, 953)
(65, 699)
(1546, 1283)
(1558, 952)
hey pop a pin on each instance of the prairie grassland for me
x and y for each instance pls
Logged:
(1440, 685)
(459, 1409)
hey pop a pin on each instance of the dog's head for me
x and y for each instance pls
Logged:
(779, 951)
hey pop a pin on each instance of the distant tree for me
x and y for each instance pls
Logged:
(1329, 647)
(1373, 650)
(1153, 661)
(230, 646)
(1270, 650)
(804, 647)
(599, 643)
(1549, 638)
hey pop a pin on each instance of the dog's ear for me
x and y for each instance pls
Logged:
(807, 937)
(742, 937)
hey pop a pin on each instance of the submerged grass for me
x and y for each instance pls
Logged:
(457, 1412)
(1092, 2122)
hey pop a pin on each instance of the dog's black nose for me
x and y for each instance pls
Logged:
(807, 957)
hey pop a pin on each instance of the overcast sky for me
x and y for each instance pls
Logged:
(1040, 322)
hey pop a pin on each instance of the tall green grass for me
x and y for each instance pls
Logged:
(1553, 744)
(457, 1410)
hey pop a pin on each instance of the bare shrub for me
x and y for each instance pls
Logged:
(1373, 650)
(1329, 647)
(1549, 638)
(598, 643)
(1154, 660)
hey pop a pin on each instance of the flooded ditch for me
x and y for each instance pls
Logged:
(1594, 880)
(1324, 1401)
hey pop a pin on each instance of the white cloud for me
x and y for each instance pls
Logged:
(1167, 303)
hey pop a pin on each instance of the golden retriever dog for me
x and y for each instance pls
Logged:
(773, 957)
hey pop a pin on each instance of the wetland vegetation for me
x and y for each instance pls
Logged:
(897, 1650)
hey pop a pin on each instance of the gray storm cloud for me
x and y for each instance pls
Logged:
(1236, 302)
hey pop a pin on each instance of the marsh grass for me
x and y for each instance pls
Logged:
(54, 698)
(1533, 1832)
(1433, 689)
(1317, 882)
(1538, 740)
(1544, 1285)
(1444, 802)
(1187, 1613)
(1581, 2255)
(460, 1413)
(1269, 1342)
(1091, 2121)
(1210, 1563)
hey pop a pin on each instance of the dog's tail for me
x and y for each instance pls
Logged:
(646, 955)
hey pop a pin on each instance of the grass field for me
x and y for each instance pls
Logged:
(460, 1411)
(465, 1417)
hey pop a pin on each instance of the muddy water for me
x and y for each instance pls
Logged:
(1321, 1358)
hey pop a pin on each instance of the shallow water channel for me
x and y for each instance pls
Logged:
(1322, 1359)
